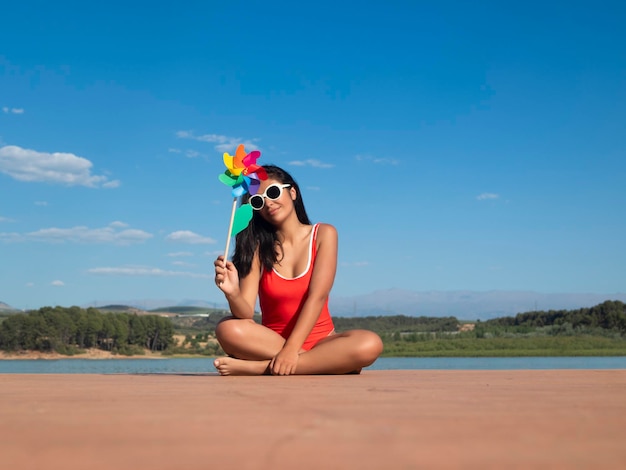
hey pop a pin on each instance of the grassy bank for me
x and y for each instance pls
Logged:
(508, 347)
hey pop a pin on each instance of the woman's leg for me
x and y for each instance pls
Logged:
(341, 353)
(246, 339)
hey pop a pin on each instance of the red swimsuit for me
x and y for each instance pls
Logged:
(281, 301)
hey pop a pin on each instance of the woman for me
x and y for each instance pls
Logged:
(290, 265)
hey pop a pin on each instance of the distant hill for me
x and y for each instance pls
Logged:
(184, 310)
(174, 310)
(119, 308)
(154, 304)
(6, 308)
(115, 307)
(464, 305)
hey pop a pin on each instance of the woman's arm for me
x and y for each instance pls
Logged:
(322, 280)
(241, 294)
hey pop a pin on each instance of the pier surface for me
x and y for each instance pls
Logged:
(379, 419)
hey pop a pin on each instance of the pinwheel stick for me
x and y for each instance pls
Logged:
(230, 230)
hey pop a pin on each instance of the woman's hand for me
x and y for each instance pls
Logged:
(285, 362)
(226, 276)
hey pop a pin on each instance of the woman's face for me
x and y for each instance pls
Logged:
(275, 210)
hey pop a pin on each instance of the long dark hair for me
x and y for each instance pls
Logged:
(261, 234)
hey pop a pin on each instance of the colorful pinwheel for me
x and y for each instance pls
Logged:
(244, 176)
(242, 172)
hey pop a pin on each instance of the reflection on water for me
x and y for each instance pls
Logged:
(205, 365)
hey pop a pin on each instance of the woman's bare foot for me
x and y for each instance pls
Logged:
(232, 366)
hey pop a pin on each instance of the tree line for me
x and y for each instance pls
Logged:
(390, 324)
(606, 318)
(609, 315)
(66, 330)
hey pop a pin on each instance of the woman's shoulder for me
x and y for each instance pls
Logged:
(325, 231)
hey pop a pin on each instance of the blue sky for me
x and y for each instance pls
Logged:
(454, 145)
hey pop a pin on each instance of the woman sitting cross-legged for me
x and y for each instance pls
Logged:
(290, 265)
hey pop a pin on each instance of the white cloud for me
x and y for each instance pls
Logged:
(111, 184)
(145, 271)
(213, 253)
(118, 224)
(63, 168)
(82, 234)
(377, 160)
(5, 219)
(41, 203)
(182, 263)
(311, 162)
(355, 264)
(180, 253)
(185, 236)
(7, 110)
(57, 283)
(486, 196)
(189, 153)
(10, 237)
(192, 154)
(30, 284)
(386, 161)
(222, 143)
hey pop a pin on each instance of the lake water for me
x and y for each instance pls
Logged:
(204, 365)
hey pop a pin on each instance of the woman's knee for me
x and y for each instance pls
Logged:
(231, 330)
(370, 347)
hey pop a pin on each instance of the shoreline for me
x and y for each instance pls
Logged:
(95, 354)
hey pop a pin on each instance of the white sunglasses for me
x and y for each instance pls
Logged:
(272, 192)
